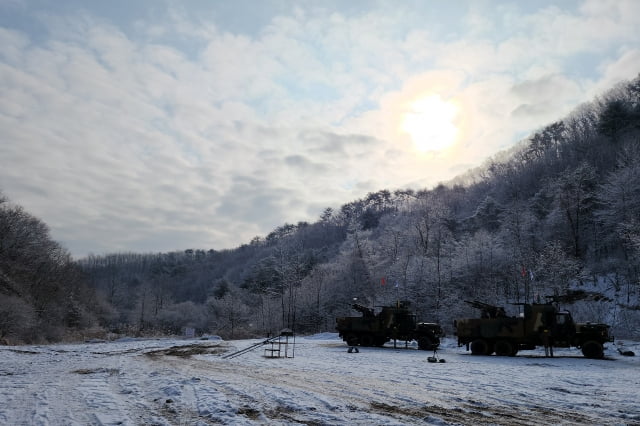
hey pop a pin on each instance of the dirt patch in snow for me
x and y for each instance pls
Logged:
(188, 350)
(472, 414)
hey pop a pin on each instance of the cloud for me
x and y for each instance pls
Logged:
(619, 69)
(545, 97)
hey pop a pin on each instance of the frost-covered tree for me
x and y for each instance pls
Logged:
(17, 319)
(38, 274)
(230, 316)
(619, 197)
(575, 196)
(554, 272)
(618, 217)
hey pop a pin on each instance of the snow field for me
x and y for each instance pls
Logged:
(188, 382)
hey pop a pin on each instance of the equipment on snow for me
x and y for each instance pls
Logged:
(391, 323)
(542, 324)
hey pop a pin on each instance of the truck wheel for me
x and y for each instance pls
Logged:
(592, 349)
(504, 348)
(380, 341)
(479, 347)
(367, 340)
(425, 344)
(352, 340)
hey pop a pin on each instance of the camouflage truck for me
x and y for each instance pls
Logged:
(542, 324)
(391, 323)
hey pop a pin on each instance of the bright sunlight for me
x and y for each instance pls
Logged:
(429, 123)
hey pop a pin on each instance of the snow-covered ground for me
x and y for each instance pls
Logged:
(189, 382)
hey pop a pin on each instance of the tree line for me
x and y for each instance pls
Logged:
(44, 295)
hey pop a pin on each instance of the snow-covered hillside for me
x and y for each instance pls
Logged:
(188, 382)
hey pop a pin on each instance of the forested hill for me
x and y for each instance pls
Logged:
(559, 212)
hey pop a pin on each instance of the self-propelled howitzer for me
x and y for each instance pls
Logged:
(395, 322)
(542, 324)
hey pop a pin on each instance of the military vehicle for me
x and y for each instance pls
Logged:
(542, 324)
(391, 323)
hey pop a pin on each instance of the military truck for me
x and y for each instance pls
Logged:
(395, 322)
(541, 324)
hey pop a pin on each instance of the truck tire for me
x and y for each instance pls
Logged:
(367, 340)
(425, 343)
(480, 347)
(592, 349)
(380, 341)
(504, 348)
(352, 340)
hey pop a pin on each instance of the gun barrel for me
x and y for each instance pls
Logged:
(488, 311)
(362, 309)
(480, 305)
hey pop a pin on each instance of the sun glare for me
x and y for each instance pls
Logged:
(430, 123)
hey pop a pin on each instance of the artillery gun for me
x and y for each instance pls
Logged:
(395, 322)
(542, 324)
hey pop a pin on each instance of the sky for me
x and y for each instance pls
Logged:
(154, 126)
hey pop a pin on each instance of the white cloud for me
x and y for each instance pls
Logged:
(626, 65)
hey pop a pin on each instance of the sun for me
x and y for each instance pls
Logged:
(430, 123)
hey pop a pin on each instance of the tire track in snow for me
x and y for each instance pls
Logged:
(336, 395)
(323, 397)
